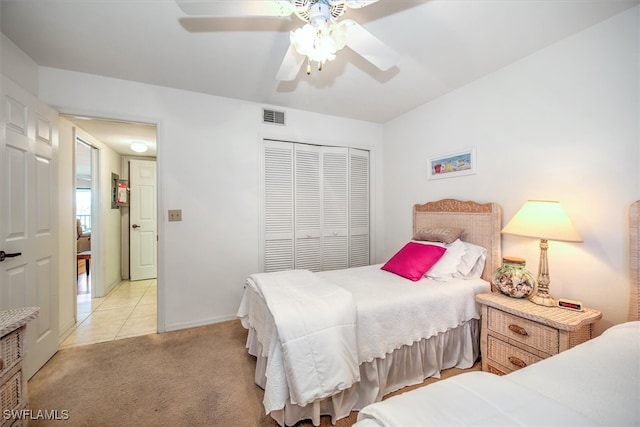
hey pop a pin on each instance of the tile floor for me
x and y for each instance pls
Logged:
(128, 310)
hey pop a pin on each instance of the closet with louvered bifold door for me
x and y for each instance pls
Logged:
(316, 206)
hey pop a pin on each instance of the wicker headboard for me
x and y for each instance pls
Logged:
(481, 224)
(634, 260)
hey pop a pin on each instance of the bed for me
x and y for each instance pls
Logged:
(331, 342)
(594, 383)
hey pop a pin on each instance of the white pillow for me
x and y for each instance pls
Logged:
(461, 260)
(447, 266)
(472, 263)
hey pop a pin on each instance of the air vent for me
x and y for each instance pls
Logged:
(272, 116)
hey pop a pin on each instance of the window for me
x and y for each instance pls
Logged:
(83, 208)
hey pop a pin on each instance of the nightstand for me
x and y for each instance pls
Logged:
(516, 332)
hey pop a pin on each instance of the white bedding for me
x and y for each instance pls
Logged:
(391, 312)
(595, 383)
(599, 378)
(311, 315)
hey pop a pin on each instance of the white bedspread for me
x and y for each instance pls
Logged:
(594, 383)
(391, 312)
(315, 323)
(394, 311)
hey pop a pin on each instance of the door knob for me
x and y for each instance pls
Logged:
(4, 255)
(135, 226)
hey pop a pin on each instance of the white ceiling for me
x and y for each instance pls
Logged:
(118, 134)
(443, 45)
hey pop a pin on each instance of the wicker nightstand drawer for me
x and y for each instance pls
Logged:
(524, 331)
(10, 350)
(508, 356)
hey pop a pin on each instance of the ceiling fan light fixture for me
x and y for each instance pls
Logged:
(319, 45)
(319, 39)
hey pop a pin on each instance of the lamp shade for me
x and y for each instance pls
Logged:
(543, 219)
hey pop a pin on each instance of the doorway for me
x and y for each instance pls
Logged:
(122, 308)
(84, 214)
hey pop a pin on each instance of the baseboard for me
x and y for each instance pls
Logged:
(111, 287)
(67, 329)
(202, 322)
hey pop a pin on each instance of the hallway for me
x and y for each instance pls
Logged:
(130, 309)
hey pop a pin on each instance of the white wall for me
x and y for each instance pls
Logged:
(18, 66)
(208, 167)
(561, 124)
(67, 270)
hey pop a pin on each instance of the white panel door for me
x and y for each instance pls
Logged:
(143, 235)
(28, 217)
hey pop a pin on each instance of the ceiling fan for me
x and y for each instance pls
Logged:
(317, 41)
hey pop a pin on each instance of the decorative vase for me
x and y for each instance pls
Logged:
(513, 279)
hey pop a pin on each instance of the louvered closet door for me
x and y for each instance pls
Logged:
(316, 207)
(278, 206)
(308, 242)
(359, 208)
(335, 208)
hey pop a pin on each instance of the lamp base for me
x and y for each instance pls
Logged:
(545, 300)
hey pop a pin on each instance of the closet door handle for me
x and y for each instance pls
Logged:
(135, 226)
(4, 255)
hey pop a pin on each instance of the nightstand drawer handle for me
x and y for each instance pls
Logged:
(518, 330)
(518, 362)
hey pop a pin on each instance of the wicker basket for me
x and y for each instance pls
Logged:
(11, 393)
(11, 350)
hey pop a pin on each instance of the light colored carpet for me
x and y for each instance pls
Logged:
(194, 377)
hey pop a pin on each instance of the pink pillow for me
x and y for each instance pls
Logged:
(414, 260)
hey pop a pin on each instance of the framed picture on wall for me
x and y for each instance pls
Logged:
(453, 164)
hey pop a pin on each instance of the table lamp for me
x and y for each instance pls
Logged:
(544, 220)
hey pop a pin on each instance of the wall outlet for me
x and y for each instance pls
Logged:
(175, 214)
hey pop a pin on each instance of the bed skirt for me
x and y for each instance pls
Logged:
(407, 365)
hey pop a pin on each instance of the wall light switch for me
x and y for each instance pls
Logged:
(175, 214)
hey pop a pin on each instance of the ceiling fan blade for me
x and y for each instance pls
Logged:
(290, 66)
(369, 46)
(236, 8)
